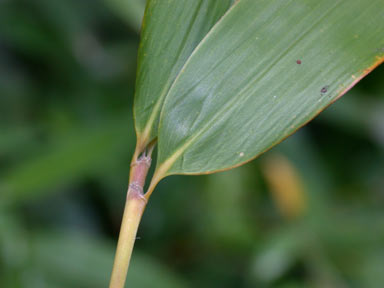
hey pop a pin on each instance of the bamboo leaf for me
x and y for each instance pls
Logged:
(171, 30)
(263, 71)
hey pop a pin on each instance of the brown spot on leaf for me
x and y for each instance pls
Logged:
(324, 89)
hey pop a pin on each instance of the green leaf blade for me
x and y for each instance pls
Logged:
(266, 69)
(171, 31)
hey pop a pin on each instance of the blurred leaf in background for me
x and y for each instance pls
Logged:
(67, 74)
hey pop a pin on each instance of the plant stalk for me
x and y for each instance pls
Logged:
(134, 208)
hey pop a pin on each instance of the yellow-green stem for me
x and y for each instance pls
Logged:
(134, 208)
(133, 211)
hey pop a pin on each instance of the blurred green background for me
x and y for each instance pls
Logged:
(309, 213)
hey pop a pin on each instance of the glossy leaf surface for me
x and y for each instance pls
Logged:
(170, 32)
(263, 71)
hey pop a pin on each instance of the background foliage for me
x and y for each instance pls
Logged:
(306, 214)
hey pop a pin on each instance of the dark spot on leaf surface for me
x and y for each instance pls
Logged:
(298, 61)
(324, 89)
